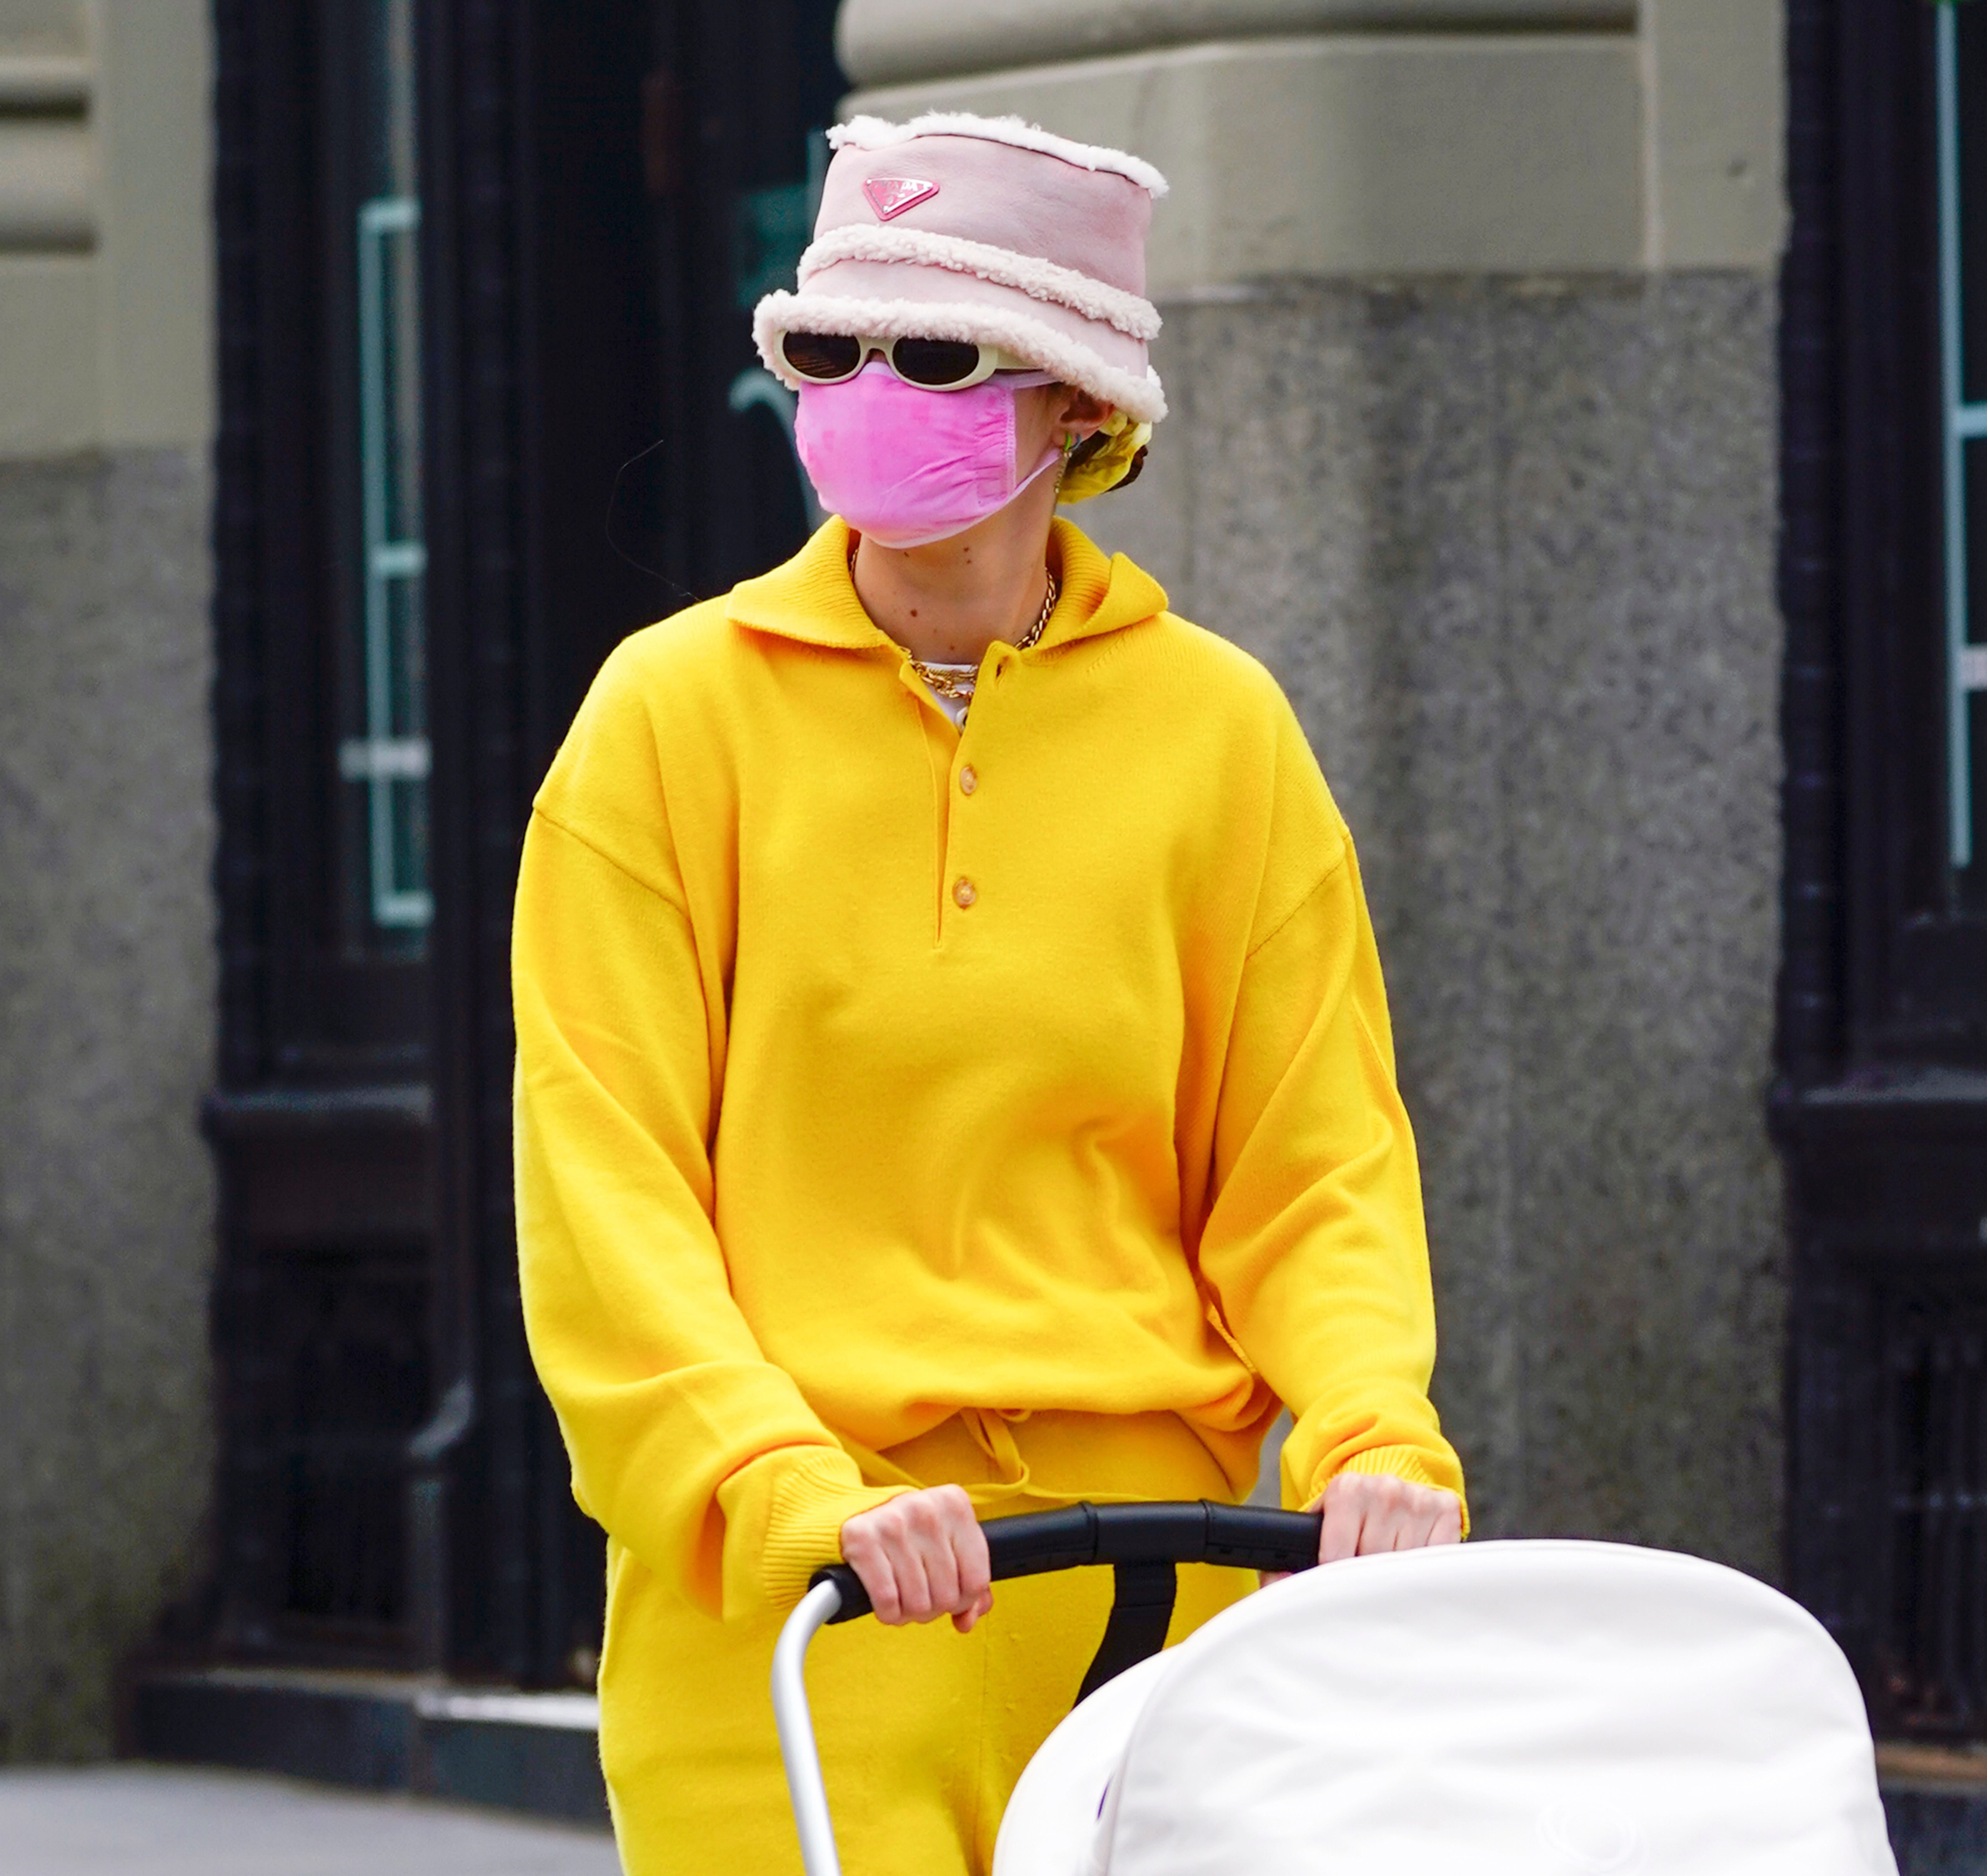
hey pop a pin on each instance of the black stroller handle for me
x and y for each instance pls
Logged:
(1242, 1536)
(1142, 1544)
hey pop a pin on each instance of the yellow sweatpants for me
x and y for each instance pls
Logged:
(924, 1731)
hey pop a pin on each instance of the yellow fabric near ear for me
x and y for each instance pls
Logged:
(1111, 464)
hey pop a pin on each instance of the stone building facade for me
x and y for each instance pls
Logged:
(107, 965)
(1471, 324)
(1470, 340)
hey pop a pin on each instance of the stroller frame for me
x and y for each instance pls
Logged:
(1143, 1543)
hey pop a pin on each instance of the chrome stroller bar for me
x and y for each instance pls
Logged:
(1141, 1543)
(791, 1715)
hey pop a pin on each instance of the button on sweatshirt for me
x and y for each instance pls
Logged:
(872, 1072)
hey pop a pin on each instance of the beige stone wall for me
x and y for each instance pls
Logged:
(1510, 551)
(1384, 137)
(106, 257)
(106, 942)
(1470, 329)
(883, 41)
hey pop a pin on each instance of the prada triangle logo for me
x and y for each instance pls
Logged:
(891, 195)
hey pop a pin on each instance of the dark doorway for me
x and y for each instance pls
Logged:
(1881, 1107)
(476, 256)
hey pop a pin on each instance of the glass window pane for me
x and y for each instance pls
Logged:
(384, 755)
(1970, 59)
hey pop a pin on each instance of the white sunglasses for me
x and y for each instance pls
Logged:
(931, 364)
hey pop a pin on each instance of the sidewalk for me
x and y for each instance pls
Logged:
(158, 1820)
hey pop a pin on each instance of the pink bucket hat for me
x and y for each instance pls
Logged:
(986, 229)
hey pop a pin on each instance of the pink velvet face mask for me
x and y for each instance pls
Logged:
(906, 466)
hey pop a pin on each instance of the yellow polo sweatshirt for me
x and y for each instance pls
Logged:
(873, 1075)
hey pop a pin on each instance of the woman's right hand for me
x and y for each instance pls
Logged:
(920, 1555)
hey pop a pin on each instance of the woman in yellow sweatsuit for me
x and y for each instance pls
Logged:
(945, 1091)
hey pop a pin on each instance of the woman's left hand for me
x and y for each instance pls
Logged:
(1368, 1512)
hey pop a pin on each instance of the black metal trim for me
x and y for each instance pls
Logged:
(1877, 965)
(539, 350)
(1808, 1040)
(1880, 1102)
(284, 1113)
(247, 82)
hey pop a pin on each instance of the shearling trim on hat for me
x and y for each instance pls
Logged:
(1040, 279)
(877, 133)
(1041, 345)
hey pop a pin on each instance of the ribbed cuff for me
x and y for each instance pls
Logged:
(818, 1495)
(1407, 1463)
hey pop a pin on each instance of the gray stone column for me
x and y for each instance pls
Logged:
(1470, 340)
(107, 929)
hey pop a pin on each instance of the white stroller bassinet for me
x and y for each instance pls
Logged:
(1542, 1709)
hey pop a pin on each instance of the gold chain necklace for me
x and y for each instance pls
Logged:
(956, 686)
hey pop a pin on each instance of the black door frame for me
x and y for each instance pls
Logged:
(1879, 1104)
(580, 170)
(345, 1165)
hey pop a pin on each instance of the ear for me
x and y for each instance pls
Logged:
(1082, 413)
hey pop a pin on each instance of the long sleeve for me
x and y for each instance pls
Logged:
(689, 1447)
(1315, 1246)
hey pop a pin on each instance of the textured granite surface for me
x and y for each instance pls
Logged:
(1509, 548)
(106, 1025)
